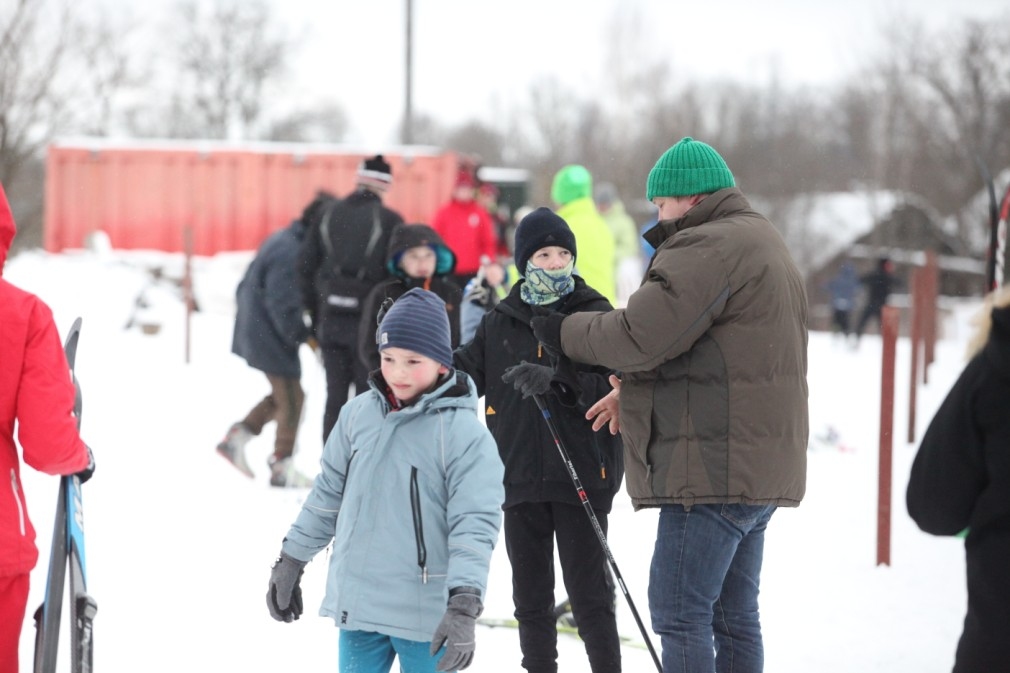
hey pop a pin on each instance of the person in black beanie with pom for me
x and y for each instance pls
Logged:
(509, 366)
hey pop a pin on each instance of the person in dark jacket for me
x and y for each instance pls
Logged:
(417, 257)
(268, 332)
(711, 405)
(541, 503)
(342, 259)
(960, 479)
(879, 284)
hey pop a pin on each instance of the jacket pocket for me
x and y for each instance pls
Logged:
(415, 509)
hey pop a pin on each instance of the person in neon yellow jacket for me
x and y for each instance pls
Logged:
(572, 191)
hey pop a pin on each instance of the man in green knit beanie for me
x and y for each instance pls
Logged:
(712, 403)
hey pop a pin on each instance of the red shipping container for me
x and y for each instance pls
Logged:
(145, 194)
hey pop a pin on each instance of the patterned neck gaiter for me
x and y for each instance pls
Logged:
(544, 286)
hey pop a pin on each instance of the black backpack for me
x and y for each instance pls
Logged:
(358, 263)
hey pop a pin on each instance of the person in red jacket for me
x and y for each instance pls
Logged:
(36, 391)
(467, 229)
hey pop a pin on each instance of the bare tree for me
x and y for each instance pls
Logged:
(34, 48)
(57, 72)
(227, 55)
(947, 106)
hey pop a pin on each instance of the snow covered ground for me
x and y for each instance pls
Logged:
(179, 544)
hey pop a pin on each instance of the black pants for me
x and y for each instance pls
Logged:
(870, 312)
(530, 531)
(343, 367)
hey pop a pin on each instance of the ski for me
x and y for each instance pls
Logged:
(67, 549)
(564, 629)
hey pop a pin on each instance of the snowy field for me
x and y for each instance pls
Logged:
(179, 544)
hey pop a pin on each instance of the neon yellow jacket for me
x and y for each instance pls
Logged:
(595, 258)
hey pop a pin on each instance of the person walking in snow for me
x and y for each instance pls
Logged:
(960, 481)
(541, 503)
(879, 284)
(844, 287)
(417, 484)
(342, 258)
(269, 330)
(417, 257)
(37, 396)
(712, 403)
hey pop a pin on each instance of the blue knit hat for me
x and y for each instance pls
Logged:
(418, 322)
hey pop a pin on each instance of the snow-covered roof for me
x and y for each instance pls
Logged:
(260, 146)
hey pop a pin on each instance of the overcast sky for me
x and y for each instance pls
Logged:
(473, 57)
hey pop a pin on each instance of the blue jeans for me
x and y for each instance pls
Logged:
(368, 652)
(703, 587)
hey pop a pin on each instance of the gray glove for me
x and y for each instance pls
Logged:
(284, 597)
(457, 629)
(529, 379)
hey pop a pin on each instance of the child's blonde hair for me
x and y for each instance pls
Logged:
(998, 298)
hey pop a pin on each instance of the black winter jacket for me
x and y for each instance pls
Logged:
(333, 296)
(268, 317)
(961, 479)
(534, 470)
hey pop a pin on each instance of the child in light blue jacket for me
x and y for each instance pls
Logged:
(410, 495)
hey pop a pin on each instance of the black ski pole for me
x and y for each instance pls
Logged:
(596, 524)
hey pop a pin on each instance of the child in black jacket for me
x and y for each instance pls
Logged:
(541, 503)
(417, 257)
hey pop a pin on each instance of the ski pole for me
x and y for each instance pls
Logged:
(596, 524)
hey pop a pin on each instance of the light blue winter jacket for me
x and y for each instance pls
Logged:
(412, 501)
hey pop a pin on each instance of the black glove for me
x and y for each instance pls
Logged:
(457, 629)
(529, 379)
(284, 597)
(547, 329)
(86, 473)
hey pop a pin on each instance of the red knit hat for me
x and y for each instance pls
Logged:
(465, 179)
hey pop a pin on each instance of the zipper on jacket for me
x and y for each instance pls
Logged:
(17, 501)
(415, 508)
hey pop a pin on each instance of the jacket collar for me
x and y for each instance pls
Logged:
(715, 206)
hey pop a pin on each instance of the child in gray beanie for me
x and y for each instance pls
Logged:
(419, 512)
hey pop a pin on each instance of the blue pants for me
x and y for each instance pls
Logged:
(703, 587)
(368, 652)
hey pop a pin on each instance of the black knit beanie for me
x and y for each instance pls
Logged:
(537, 230)
(418, 322)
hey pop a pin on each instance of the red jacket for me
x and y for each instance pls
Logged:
(468, 231)
(36, 391)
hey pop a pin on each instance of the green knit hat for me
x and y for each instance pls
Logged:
(689, 167)
(570, 183)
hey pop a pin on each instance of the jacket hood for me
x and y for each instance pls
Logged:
(407, 236)
(7, 228)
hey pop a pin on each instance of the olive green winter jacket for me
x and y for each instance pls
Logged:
(713, 350)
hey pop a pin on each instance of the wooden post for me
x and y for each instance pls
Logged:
(889, 336)
(932, 281)
(916, 319)
(187, 282)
